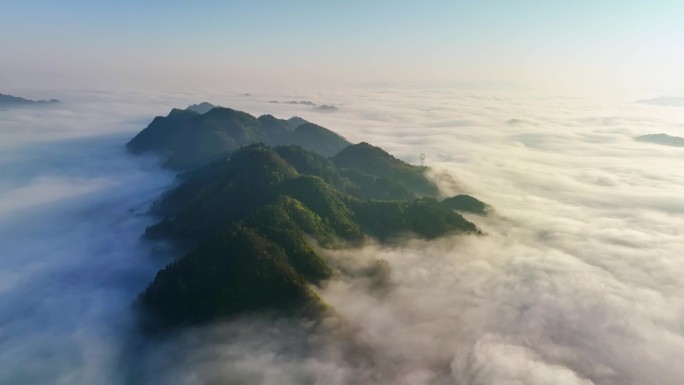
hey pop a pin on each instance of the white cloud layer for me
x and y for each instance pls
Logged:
(578, 280)
(71, 259)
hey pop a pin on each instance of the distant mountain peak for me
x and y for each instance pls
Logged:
(9, 100)
(326, 108)
(201, 108)
(296, 121)
(662, 139)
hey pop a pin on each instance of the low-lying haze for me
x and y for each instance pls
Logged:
(72, 208)
(577, 280)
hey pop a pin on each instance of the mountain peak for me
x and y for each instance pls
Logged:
(201, 108)
(189, 138)
(9, 101)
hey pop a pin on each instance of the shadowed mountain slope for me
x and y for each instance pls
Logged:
(189, 139)
(250, 219)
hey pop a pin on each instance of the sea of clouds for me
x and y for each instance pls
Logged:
(577, 280)
(72, 208)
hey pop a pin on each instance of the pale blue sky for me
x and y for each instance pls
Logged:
(569, 45)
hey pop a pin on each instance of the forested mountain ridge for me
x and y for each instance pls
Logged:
(251, 216)
(188, 138)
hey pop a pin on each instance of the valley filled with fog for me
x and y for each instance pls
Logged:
(577, 279)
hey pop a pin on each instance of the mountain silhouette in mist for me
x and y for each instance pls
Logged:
(201, 108)
(12, 101)
(663, 139)
(326, 108)
(249, 219)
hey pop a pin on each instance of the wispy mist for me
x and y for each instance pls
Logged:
(577, 280)
(71, 215)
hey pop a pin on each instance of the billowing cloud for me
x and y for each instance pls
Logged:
(577, 280)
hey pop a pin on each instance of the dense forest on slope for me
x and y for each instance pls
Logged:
(466, 203)
(251, 217)
(189, 138)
